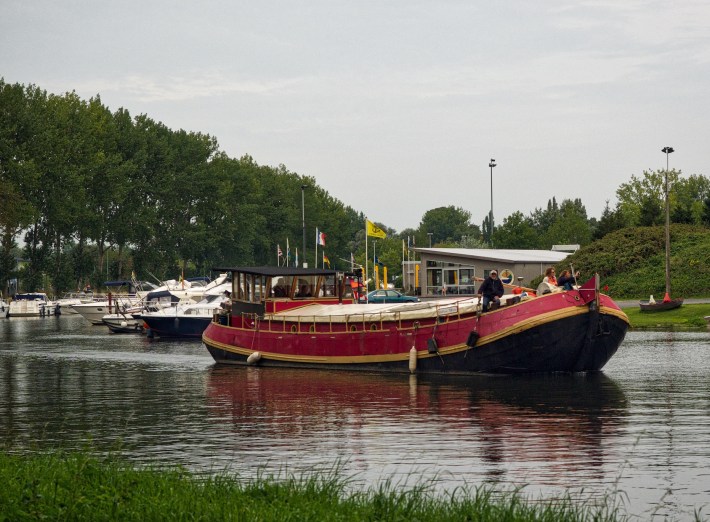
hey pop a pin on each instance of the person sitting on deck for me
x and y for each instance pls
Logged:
(567, 280)
(550, 278)
(305, 291)
(491, 289)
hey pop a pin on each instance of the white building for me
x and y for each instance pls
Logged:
(460, 270)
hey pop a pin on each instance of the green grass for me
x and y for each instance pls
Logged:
(687, 316)
(79, 486)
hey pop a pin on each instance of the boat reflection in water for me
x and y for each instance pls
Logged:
(554, 428)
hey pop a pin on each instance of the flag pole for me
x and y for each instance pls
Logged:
(367, 288)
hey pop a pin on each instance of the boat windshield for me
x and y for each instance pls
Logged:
(30, 297)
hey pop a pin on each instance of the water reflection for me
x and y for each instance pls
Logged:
(559, 422)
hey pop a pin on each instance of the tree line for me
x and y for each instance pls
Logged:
(87, 194)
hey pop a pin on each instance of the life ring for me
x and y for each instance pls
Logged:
(506, 276)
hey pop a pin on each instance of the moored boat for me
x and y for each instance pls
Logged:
(660, 306)
(34, 304)
(122, 295)
(284, 316)
(65, 305)
(186, 319)
(124, 322)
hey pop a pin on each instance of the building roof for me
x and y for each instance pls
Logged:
(565, 248)
(498, 254)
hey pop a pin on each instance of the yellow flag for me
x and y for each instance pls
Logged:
(373, 230)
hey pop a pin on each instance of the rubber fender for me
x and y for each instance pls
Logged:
(432, 345)
(472, 339)
(412, 360)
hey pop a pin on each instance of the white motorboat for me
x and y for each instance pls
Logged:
(184, 292)
(123, 294)
(186, 318)
(66, 303)
(35, 304)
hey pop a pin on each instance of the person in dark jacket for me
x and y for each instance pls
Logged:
(491, 289)
(567, 280)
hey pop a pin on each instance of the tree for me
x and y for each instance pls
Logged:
(610, 221)
(689, 196)
(542, 219)
(570, 226)
(516, 232)
(644, 195)
(705, 216)
(447, 224)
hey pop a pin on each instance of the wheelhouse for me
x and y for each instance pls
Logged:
(261, 290)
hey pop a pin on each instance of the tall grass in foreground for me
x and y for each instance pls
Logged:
(80, 486)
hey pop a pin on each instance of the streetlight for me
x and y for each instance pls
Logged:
(491, 165)
(303, 212)
(430, 234)
(668, 150)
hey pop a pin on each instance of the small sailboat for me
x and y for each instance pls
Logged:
(667, 303)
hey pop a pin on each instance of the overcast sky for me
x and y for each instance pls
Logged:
(396, 107)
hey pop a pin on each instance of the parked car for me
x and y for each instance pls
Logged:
(390, 296)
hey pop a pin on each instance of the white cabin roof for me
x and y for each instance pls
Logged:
(499, 254)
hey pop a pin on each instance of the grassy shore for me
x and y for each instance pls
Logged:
(79, 486)
(687, 316)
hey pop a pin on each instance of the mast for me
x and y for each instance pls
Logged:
(668, 150)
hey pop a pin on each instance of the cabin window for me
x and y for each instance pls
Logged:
(306, 287)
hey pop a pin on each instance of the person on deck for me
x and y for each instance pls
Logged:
(491, 289)
(550, 277)
(567, 280)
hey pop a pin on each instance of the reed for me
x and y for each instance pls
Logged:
(81, 486)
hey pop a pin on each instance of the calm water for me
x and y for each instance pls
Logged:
(641, 428)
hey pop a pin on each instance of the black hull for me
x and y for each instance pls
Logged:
(660, 306)
(189, 327)
(582, 343)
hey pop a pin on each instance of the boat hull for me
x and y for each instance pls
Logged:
(166, 326)
(118, 323)
(660, 306)
(556, 333)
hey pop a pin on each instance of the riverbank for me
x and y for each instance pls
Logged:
(687, 316)
(80, 486)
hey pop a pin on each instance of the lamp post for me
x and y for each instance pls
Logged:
(491, 165)
(668, 150)
(303, 213)
(430, 234)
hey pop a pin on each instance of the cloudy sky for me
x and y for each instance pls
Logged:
(396, 107)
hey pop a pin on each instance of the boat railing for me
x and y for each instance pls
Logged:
(357, 321)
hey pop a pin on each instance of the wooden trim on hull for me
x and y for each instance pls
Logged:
(542, 343)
